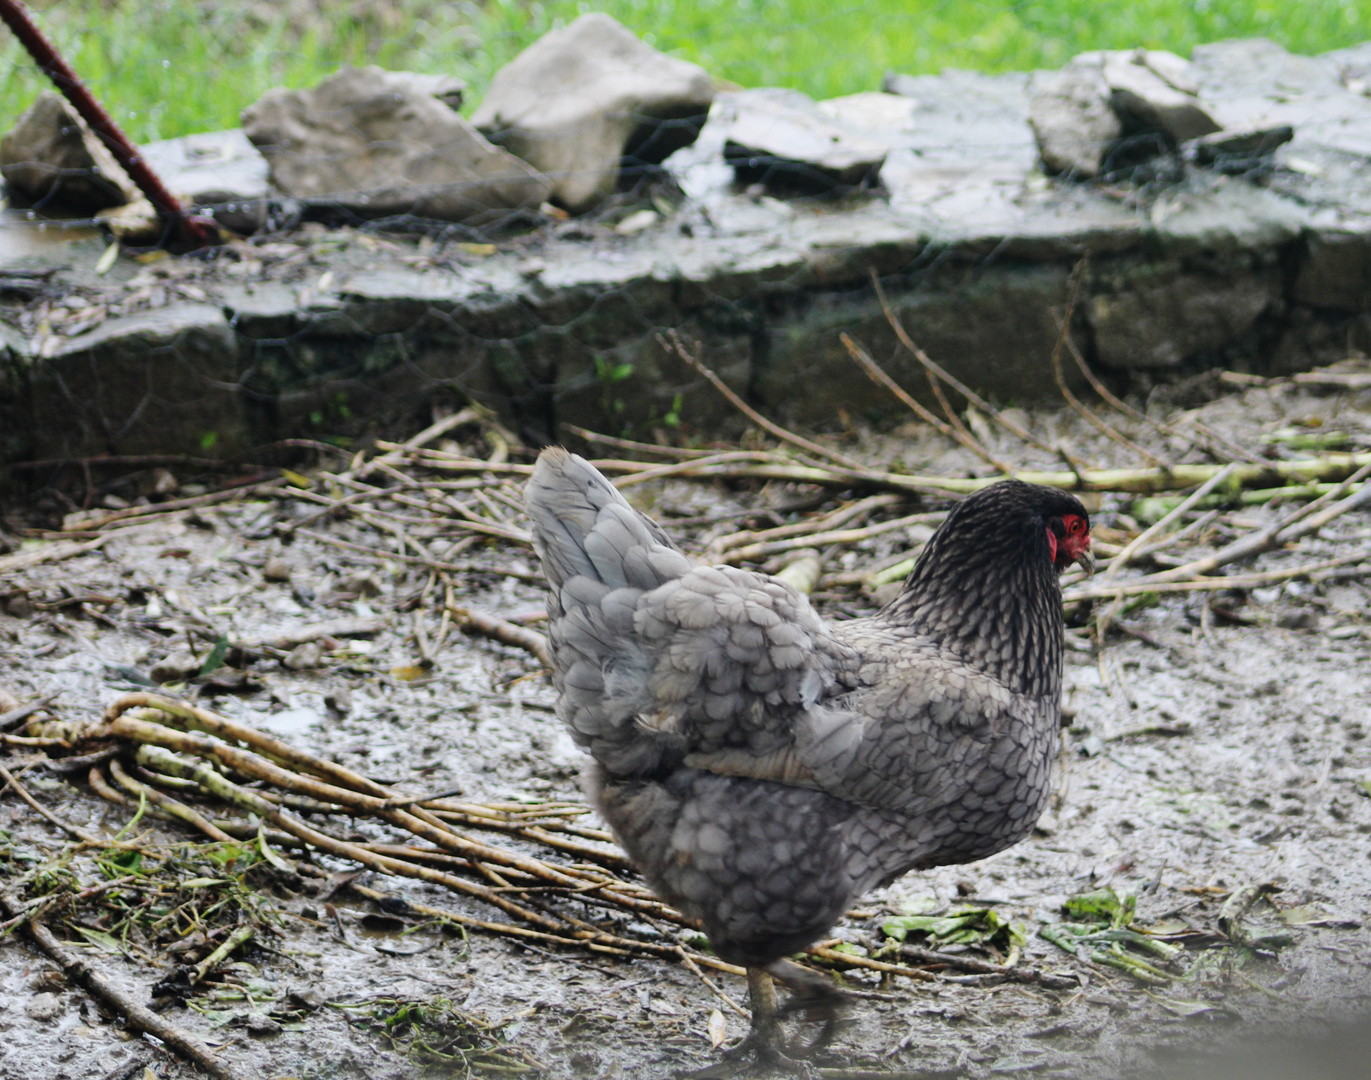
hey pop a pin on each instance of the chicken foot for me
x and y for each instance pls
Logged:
(765, 1045)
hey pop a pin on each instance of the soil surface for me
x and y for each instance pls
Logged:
(1217, 742)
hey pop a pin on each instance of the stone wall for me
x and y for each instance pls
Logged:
(1269, 270)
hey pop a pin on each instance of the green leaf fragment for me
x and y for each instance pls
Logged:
(961, 926)
(101, 940)
(215, 660)
(1103, 905)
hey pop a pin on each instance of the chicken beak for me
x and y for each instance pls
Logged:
(1086, 561)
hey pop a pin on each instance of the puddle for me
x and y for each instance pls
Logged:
(289, 723)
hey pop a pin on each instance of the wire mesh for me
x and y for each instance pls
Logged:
(335, 320)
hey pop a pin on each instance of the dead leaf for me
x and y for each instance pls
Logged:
(718, 1029)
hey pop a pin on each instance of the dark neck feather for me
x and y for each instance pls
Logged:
(986, 591)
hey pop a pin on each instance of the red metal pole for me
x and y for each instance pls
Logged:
(196, 231)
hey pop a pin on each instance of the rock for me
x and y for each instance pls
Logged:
(584, 101)
(164, 482)
(367, 142)
(51, 154)
(1155, 91)
(18, 605)
(228, 681)
(362, 583)
(1237, 151)
(153, 382)
(1079, 112)
(276, 569)
(177, 667)
(44, 1007)
(1336, 270)
(1072, 119)
(1163, 316)
(781, 137)
(446, 88)
(339, 700)
(637, 222)
(1297, 619)
(306, 656)
(309, 998)
(262, 1026)
(220, 173)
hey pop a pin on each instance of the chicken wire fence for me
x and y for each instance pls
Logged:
(321, 317)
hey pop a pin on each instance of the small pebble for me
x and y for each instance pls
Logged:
(302, 657)
(308, 997)
(19, 606)
(276, 569)
(262, 1026)
(163, 482)
(178, 667)
(362, 584)
(43, 1007)
(339, 701)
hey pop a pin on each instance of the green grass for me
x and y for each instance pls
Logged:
(170, 67)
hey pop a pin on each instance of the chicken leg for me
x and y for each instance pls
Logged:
(765, 1045)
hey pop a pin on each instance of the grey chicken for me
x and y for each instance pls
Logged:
(763, 767)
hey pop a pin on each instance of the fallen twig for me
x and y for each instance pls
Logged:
(1064, 332)
(506, 632)
(982, 967)
(1119, 561)
(49, 553)
(672, 343)
(1210, 584)
(934, 369)
(138, 1016)
(636, 447)
(844, 514)
(837, 536)
(432, 564)
(15, 717)
(219, 955)
(1300, 523)
(1134, 414)
(92, 521)
(953, 430)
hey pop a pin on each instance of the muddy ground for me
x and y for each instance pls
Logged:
(1208, 752)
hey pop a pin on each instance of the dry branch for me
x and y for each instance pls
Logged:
(878, 375)
(1134, 414)
(672, 343)
(1078, 406)
(1122, 558)
(636, 447)
(838, 536)
(508, 633)
(935, 370)
(842, 516)
(48, 553)
(138, 1016)
(1148, 586)
(93, 521)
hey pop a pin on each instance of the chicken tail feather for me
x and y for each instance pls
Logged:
(600, 556)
